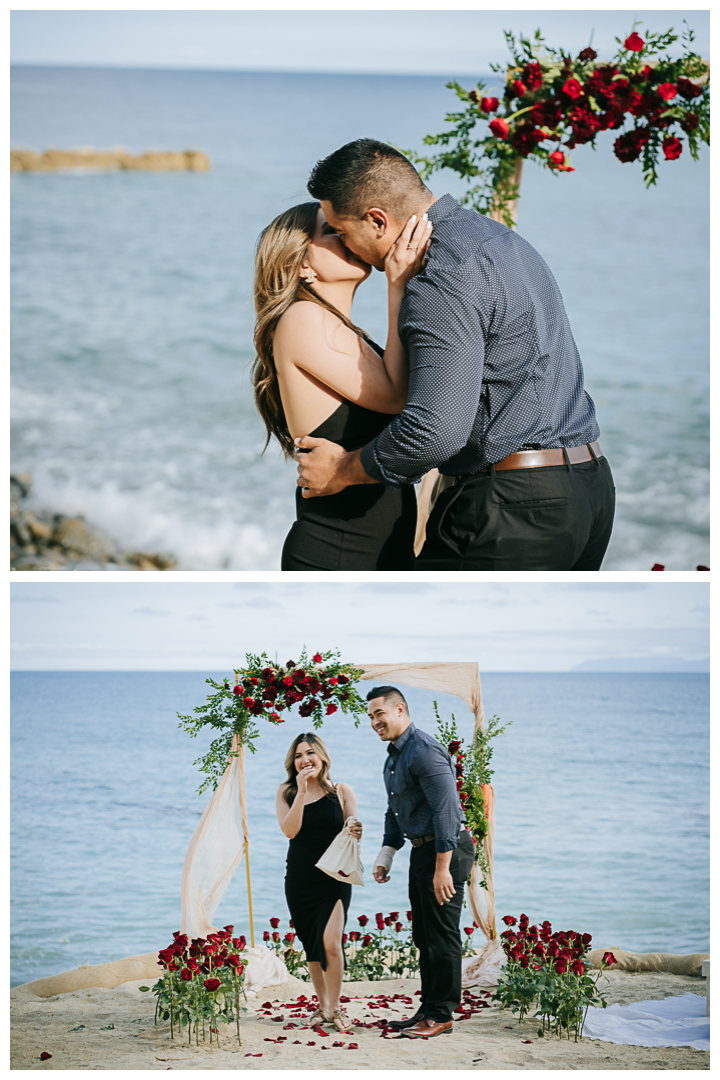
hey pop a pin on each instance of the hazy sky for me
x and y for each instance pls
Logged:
(418, 40)
(209, 626)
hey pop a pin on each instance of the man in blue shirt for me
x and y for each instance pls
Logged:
(496, 396)
(423, 807)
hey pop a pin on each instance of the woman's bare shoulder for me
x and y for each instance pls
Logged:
(305, 314)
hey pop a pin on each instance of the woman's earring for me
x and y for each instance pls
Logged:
(309, 276)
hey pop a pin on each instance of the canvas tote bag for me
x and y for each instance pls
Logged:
(342, 858)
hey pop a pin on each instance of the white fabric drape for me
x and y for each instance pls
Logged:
(216, 849)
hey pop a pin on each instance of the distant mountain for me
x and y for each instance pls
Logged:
(670, 665)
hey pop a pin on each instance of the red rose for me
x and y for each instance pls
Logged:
(509, 920)
(186, 974)
(667, 91)
(409, 916)
(561, 966)
(690, 122)
(274, 923)
(489, 104)
(363, 920)
(455, 745)
(232, 961)
(317, 658)
(333, 681)
(342, 679)
(249, 702)
(573, 89)
(672, 147)
(287, 681)
(330, 709)
(266, 935)
(517, 89)
(688, 89)
(290, 663)
(469, 930)
(608, 959)
(628, 147)
(657, 566)
(45, 1056)
(367, 940)
(578, 968)
(588, 54)
(212, 985)
(634, 43)
(355, 935)
(557, 157)
(255, 682)
(398, 927)
(275, 936)
(524, 922)
(526, 138)
(533, 76)
(267, 674)
(306, 708)
(238, 689)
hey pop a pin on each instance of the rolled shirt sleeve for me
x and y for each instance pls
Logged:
(392, 836)
(440, 327)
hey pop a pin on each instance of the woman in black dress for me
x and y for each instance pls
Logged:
(316, 373)
(311, 811)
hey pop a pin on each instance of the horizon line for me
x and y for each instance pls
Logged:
(108, 66)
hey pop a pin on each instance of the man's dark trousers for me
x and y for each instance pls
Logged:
(436, 928)
(558, 517)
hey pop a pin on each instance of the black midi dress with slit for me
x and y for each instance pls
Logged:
(312, 894)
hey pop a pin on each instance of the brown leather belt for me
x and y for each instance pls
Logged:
(420, 840)
(536, 459)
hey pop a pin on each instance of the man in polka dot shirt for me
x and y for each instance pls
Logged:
(496, 398)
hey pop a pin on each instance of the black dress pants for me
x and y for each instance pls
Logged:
(558, 517)
(436, 928)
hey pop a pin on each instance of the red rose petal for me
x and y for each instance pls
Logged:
(353, 1046)
(44, 1056)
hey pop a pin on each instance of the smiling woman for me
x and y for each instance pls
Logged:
(317, 374)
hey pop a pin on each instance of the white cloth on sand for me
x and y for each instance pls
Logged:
(675, 1021)
(263, 968)
(483, 968)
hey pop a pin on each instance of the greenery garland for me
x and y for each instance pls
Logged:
(552, 99)
(320, 685)
(473, 774)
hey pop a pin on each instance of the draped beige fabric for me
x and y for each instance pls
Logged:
(216, 849)
(462, 680)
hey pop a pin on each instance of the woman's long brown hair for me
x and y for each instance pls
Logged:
(324, 775)
(281, 249)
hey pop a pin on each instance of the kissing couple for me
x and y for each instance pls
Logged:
(480, 378)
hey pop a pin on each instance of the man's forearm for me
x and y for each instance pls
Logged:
(442, 860)
(353, 471)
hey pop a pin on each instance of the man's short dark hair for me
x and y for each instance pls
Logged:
(367, 173)
(391, 694)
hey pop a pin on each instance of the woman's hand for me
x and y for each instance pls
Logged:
(355, 829)
(303, 776)
(406, 257)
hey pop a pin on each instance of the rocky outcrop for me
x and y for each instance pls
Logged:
(114, 159)
(44, 540)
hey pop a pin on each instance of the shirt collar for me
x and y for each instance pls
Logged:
(398, 745)
(442, 209)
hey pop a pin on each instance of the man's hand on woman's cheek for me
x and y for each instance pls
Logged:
(324, 468)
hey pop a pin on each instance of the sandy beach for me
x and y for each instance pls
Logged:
(100, 1028)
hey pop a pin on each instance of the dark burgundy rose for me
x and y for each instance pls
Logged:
(672, 148)
(454, 746)
(688, 89)
(702, 567)
(186, 975)
(226, 686)
(608, 959)
(524, 922)
(344, 939)
(363, 920)
(509, 920)
(274, 923)
(516, 89)
(533, 76)
(526, 138)
(588, 54)
(193, 964)
(523, 960)
(409, 916)
(489, 104)
(290, 663)
(45, 1056)
(343, 679)
(266, 935)
(634, 43)
(561, 966)
(586, 939)
(469, 930)
(657, 566)
(306, 709)
(268, 674)
(628, 147)
(689, 124)
(212, 985)
(270, 693)
(367, 940)
(232, 961)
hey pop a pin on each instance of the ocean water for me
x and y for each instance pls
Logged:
(132, 314)
(602, 810)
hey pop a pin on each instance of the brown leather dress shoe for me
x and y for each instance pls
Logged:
(428, 1029)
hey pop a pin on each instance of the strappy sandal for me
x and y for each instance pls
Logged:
(318, 1017)
(342, 1022)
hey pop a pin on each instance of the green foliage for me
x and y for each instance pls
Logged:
(472, 768)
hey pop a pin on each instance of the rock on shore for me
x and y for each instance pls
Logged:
(119, 158)
(45, 540)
